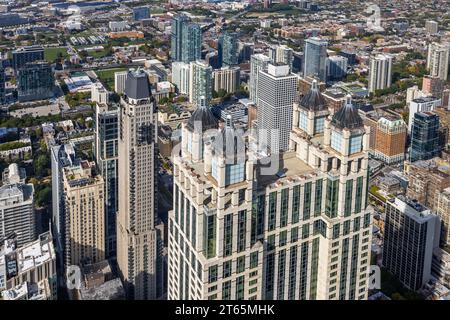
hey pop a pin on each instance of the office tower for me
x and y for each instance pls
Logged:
(178, 23)
(141, 13)
(180, 76)
(85, 214)
(186, 40)
(24, 55)
(2, 84)
(200, 83)
(282, 54)
(277, 91)
(228, 49)
(257, 62)
(17, 215)
(106, 155)
(443, 211)
(421, 105)
(380, 72)
(315, 54)
(431, 26)
(411, 232)
(351, 56)
(390, 140)
(432, 86)
(226, 78)
(119, 81)
(99, 94)
(297, 62)
(191, 47)
(137, 236)
(245, 50)
(35, 81)
(300, 232)
(425, 136)
(336, 67)
(437, 61)
(30, 266)
(61, 157)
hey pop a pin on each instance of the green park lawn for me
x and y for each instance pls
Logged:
(50, 54)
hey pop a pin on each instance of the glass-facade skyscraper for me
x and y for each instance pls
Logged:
(107, 156)
(200, 83)
(141, 13)
(186, 40)
(228, 49)
(35, 81)
(315, 58)
(425, 136)
(22, 56)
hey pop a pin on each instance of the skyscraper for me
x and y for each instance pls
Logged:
(200, 83)
(137, 237)
(380, 72)
(141, 13)
(420, 105)
(431, 26)
(282, 54)
(186, 42)
(390, 139)
(181, 77)
(17, 212)
(277, 91)
(226, 78)
(411, 232)
(35, 81)
(425, 136)
(119, 81)
(336, 67)
(22, 56)
(85, 219)
(107, 157)
(228, 49)
(315, 58)
(237, 232)
(257, 62)
(437, 61)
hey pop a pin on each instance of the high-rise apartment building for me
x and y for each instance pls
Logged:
(299, 231)
(186, 39)
(2, 84)
(180, 76)
(422, 104)
(226, 78)
(24, 55)
(137, 236)
(99, 94)
(282, 54)
(425, 136)
(315, 56)
(85, 214)
(106, 152)
(17, 215)
(411, 232)
(141, 13)
(200, 83)
(431, 26)
(228, 49)
(257, 62)
(119, 81)
(380, 72)
(432, 86)
(35, 81)
(390, 139)
(437, 61)
(277, 91)
(336, 67)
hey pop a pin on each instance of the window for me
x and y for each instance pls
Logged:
(212, 274)
(336, 140)
(242, 226)
(283, 238)
(305, 231)
(294, 234)
(240, 264)
(253, 259)
(318, 198)
(307, 201)
(356, 224)
(272, 210)
(303, 121)
(226, 269)
(284, 207)
(296, 204)
(234, 173)
(226, 290)
(240, 288)
(319, 124)
(336, 230)
(359, 194)
(331, 201)
(348, 197)
(355, 144)
(214, 169)
(346, 227)
(271, 242)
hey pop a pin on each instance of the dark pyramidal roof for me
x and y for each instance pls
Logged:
(347, 116)
(137, 85)
(202, 115)
(313, 100)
